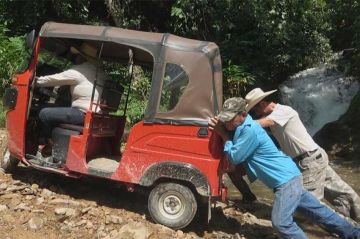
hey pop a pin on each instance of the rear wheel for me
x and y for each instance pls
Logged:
(172, 205)
(8, 163)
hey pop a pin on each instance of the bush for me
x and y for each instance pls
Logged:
(13, 56)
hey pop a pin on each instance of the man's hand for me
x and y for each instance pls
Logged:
(213, 122)
(219, 128)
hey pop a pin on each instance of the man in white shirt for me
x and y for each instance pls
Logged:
(81, 80)
(318, 177)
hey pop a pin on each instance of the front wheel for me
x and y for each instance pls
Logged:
(172, 205)
(8, 163)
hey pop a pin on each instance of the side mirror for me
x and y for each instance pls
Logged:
(30, 39)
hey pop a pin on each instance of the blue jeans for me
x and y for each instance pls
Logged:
(50, 117)
(291, 197)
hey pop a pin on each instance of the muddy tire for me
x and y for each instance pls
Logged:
(172, 205)
(8, 163)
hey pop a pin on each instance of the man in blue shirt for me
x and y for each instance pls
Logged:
(252, 145)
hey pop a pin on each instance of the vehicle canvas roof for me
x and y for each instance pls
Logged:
(202, 97)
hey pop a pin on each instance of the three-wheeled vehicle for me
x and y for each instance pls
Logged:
(171, 151)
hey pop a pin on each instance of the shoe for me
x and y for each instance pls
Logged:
(249, 198)
(43, 161)
(46, 151)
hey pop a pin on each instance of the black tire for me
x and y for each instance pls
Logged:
(8, 163)
(182, 209)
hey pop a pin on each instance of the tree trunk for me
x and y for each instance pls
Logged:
(116, 11)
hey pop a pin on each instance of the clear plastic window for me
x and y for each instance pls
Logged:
(174, 83)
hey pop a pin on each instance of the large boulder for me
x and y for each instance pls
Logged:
(341, 138)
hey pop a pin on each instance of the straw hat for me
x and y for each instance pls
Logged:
(86, 50)
(255, 96)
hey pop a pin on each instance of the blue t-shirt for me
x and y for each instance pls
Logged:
(251, 144)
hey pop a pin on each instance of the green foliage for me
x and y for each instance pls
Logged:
(342, 16)
(13, 57)
(139, 95)
(139, 91)
(356, 44)
(2, 116)
(150, 15)
(23, 16)
(237, 81)
(271, 39)
(192, 18)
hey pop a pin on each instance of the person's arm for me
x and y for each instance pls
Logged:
(68, 77)
(266, 122)
(243, 147)
(219, 128)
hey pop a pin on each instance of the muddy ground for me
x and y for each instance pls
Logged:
(37, 205)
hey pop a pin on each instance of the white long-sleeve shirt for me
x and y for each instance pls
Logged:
(81, 80)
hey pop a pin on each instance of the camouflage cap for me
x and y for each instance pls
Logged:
(231, 108)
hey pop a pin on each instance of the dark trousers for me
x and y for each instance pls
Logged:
(237, 179)
(50, 117)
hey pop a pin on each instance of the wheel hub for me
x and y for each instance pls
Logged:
(172, 204)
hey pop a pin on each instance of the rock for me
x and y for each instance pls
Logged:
(22, 207)
(3, 208)
(24, 218)
(15, 201)
(113, 219)
(67, 212)
(11, 196)
(58, 201)
(85, 210)
(179, 233)
(27, 191)
(94, 212)
(100, 233)
(35, 223)
(17, 182)
(15, 188)
(46, 193)
(39, 201)
(165, 229)
(237, 236)
(89, 225)
(29, 197)
(81, 223)
(66, 228)
(35, 187)
(136, 231)
(113, 234)
(38, 211)
(3, 186)
(69, 223)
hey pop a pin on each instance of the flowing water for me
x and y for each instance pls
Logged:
(320, 95)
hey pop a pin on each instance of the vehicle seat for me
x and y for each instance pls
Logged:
(109, 102)
(78, 128)
(111, 96)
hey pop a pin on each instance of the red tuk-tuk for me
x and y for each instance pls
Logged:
(171, 151)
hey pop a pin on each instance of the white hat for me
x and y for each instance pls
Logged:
(255, 96)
